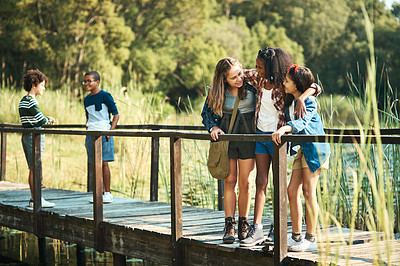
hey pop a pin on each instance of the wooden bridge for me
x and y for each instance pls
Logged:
(160, 232)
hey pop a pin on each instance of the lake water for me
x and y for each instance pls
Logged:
(21, 248)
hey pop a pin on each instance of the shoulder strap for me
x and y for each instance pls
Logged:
(233, 117)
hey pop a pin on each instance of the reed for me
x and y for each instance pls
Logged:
(360, 191)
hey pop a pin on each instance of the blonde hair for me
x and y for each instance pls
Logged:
(216, 94)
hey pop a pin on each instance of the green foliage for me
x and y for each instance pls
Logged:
(170, 47)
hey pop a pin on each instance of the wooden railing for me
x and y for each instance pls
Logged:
(176, 134)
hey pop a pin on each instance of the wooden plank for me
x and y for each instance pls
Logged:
(150, 239)
(279, 164)
(98, 192)
(37, 183)
(198, 253)
(176, 200)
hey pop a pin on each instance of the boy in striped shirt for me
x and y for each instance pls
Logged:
(31, 117)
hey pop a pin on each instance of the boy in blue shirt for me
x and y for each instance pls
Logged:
(99, 105)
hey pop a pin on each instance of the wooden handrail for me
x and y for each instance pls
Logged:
(334, 131)
(388, 136)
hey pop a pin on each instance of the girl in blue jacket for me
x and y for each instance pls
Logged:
(311, 158)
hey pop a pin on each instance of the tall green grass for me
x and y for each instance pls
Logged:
(361, 189)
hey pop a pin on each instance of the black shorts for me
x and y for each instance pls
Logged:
(244, 124)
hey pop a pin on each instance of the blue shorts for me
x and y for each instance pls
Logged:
(264, 147)
(27, 145)
(107, 149)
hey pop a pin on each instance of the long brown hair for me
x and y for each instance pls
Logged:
(216, 94)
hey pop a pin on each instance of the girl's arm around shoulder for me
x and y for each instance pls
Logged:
(314, 90)
(299, 124)
(251, 76)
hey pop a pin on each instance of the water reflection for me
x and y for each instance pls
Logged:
(21, 248)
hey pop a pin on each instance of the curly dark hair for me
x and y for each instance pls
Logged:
(276, 63)
(33, 77)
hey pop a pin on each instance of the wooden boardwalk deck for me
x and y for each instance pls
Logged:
(142, 229)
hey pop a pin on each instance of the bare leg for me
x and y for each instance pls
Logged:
(230, 189)
(296, 209)
(106, 177)
(245, 167)
(263, 162)
(310, 181)
(30, 181)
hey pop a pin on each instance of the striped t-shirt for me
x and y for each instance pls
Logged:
(30, 114)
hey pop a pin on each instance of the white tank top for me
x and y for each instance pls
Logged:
(268, 116)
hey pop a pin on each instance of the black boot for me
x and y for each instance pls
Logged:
(242, 228)
(229, 236)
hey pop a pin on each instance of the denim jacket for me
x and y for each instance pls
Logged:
(315, 153)
(211, 119)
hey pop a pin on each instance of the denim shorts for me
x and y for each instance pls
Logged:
(264, 147)
(27, 145)
(107, 149)
(244, 124)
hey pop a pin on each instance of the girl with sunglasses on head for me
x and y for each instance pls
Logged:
(268, 77)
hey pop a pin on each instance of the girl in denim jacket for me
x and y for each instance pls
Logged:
(311, 158)
(228, 84)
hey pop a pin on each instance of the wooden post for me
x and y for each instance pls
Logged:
(42, 250)
(98, 192)
(89, 187)
(119, 260)
(220, 194)
(80, 255)
(155, 157)
(3, 155)
(279, 168)
(176, 200)
(37, 182)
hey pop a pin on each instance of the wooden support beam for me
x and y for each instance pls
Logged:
(3, 155)
(89, 186)
(37, 182)
(279, 168)
(98, 192)
(119, 260)
(176, 200)
(221, 195)
(42, 250)
(80, 255)
(155, 158)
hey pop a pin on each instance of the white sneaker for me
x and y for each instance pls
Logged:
(304, 245)
(45, 203)
(107, 197)
(292, 242)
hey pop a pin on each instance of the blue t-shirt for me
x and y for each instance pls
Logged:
(98, 108)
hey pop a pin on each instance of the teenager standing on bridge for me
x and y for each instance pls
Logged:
(228, 84)
(311, 158)
(31, 117)
(268, 77)
(99, 105)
